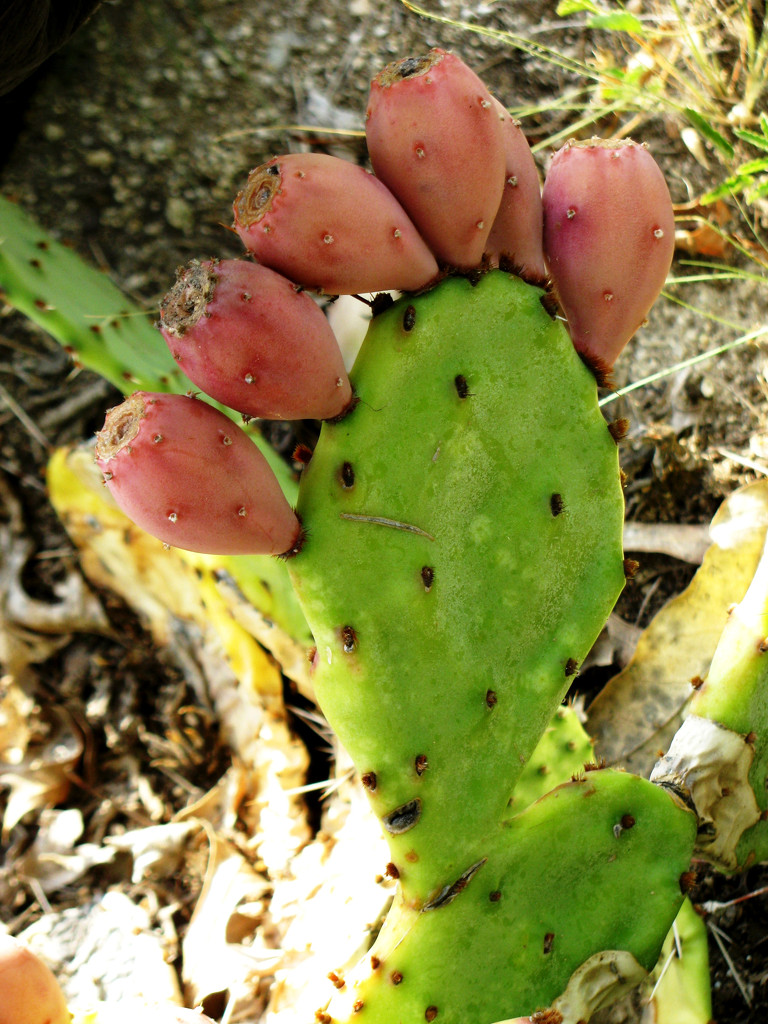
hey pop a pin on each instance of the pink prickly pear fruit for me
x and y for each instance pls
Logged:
(516, 237)
(188, 475)
(609, 238)
(435, 139)
(29, 992)
(330, 225)
(250, 339)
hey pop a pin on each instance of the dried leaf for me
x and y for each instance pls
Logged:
(54, 860)
(39, 774)
(215, 957)
(106, 945)
(637, 713)
(157, 850)
(16, 707)
(328, 909)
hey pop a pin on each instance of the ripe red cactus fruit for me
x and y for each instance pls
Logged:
(184, 472)
(29, 993)
(330, 225)
(252, 340)
(516, 237)
(609, 237)
(435, 139)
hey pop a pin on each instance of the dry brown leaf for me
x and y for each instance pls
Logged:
(216, 959)
(637, 713)
(105, 947)
(38, 771)
(55, 859)
(157, 850)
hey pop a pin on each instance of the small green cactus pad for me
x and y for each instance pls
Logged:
(562, 752)
(464, 548)
(681, 987)
(718, 759)
(593, 866)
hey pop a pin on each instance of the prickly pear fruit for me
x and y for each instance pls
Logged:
(252, 340)
(608, 239)
(435, 139)
(516, 235)
(188, 475)
(329, 224)
(29, 993)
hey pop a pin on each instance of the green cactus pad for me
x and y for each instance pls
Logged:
(464, 529)
(735, 697)
(593, 866)
(562, 752)
(99, 326)
(680, 983)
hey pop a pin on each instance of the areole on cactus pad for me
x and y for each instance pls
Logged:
(457, 544)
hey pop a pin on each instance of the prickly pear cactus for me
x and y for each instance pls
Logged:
(447, 634)
(457, 542)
